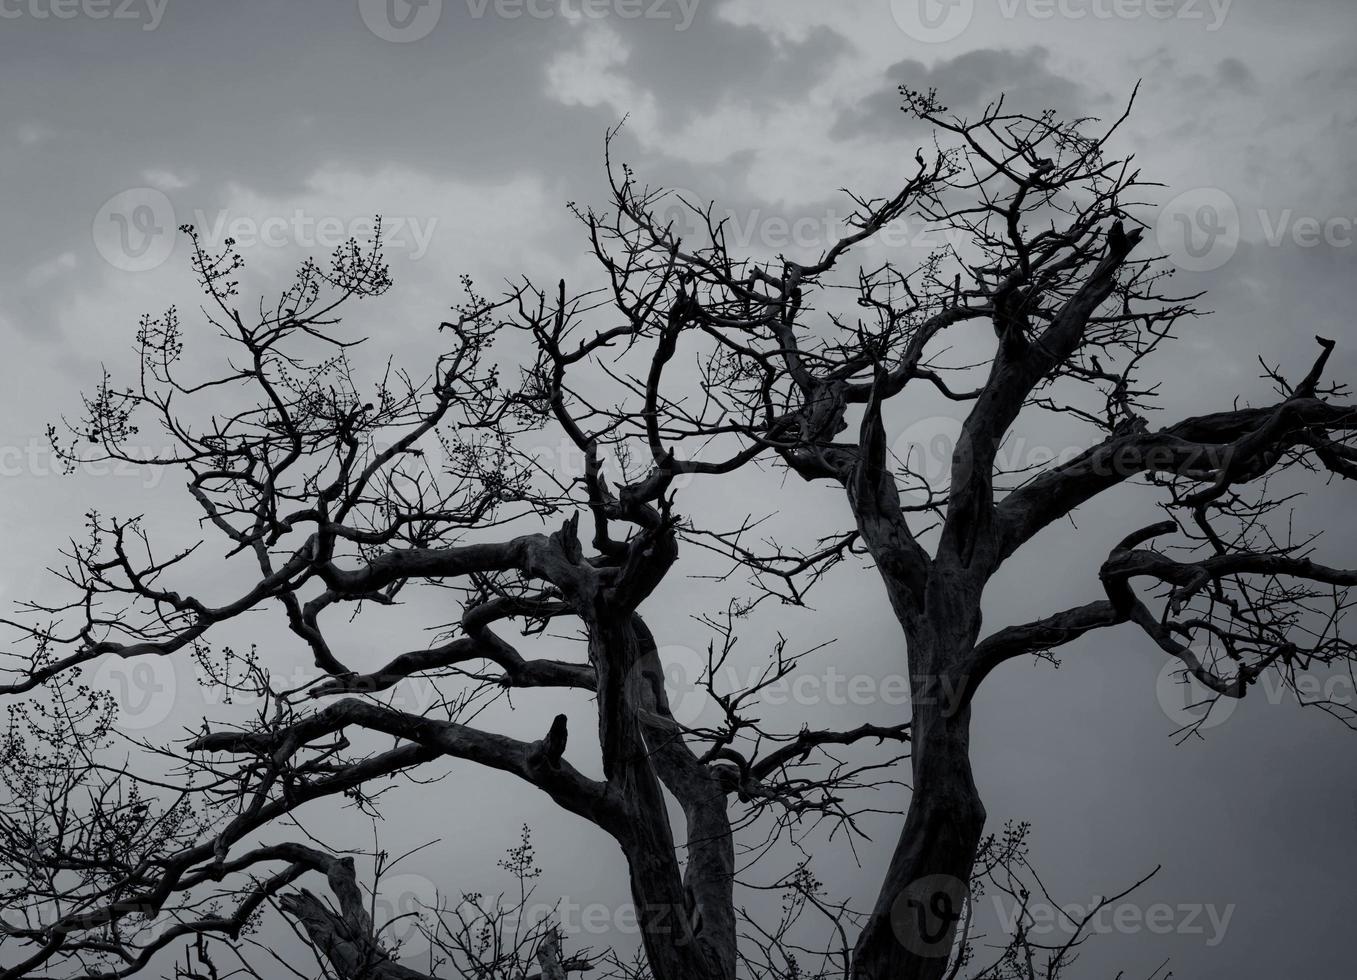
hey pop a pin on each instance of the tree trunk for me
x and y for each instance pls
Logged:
(664, 902)
(709, 870)
(672, 950)
(912, 928)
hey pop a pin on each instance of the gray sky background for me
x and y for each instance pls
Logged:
(472, 126)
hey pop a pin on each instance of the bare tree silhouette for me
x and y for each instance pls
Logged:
(1042, 227)
(329, 500)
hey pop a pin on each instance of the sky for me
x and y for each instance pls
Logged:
(470, 124)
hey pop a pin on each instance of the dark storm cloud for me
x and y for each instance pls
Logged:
(259, 92)
(258, 95)
(1236, 74)
(713, 60)
(696, 72)
(263, 95)
(967, 83)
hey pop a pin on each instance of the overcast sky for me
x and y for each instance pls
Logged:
(469, 124)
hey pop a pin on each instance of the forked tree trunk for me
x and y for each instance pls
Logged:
(675, 946)
(672, 951)
(912, 928)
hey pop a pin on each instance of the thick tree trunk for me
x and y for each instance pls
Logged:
(676, 944)
(912, 928)
(709, 870)
(672, 950)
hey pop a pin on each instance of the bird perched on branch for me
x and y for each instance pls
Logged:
(1116, 238)
(553, 746)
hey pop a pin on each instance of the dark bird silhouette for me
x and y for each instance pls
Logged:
(1116, 238)
(553, 746)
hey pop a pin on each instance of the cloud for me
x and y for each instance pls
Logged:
(968, 82)
(588, 75)
(1235, 74)
(45, 272)
(436, 228)
(165, 180)
(32, 134)
(795, 21)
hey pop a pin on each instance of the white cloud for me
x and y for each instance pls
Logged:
(430, 223)
(796, 20)
(165, 180)
(45, 272)
(435, 228)
(31, 134)
(588, 76)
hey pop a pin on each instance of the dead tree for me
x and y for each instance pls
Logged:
(328, 498)
(328, 495)
(803, 361)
